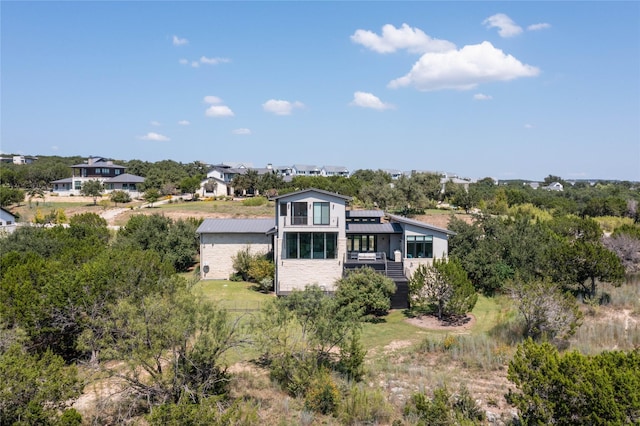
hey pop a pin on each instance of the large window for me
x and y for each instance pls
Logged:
(311, 245)
(420, 246)
(361, 243)
(321, 213)
(300, 214)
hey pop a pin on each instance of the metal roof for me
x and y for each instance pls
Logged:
(125, 178)
(65, 180)
(320, 191)
(365, 213)
(236, 226)
(101, 164)
(373, 228)
(419, 224)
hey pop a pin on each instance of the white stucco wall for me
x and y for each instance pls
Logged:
(217, 251)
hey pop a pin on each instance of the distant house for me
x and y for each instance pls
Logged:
(305, 170)
(112, 175)
(7, 221)
(554, 186)
(314, 239)
(334, 171)
(220, 178)
(18, 159)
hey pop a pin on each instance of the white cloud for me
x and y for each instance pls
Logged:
(213, 61)
(528, 126)
(183, 61)
(482, 97)
(280, 107)
(195, 64)
(151, 136)
(241, 132)
(55, 147)
(214, 100)
(464, 69)
(538, 27)
(184, 122)
(369, 100)
(405, 37)
(219, 111)
(155, 123)
(177, 41)
(506, 26)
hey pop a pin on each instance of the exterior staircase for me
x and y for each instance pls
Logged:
(395, 271)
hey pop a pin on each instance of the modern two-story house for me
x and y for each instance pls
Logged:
(315, 238)
(111, 175)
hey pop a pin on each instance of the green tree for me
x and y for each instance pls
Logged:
(573, 388)
(548, 312)
(120, 197)
(35, 193)
(151, 195)
(92, 188)
(35, 389)
(297, 336)
(367, 291)
(10, 196)
(177, 340)
(442, 288)
(190, 185)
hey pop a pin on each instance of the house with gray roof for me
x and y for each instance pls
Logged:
(7, 221)
(315, 238)
(111, 175)
(334, 171)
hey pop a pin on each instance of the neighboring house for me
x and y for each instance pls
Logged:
(315, 239)
(220, 177)
(305, 170)
(553, 186)
(394, 173)
(112, 175)
(7, 221)
(334, 171)
(457, 181)
(18, 159)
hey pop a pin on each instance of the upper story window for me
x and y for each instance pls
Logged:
(321, 213)
(300, 213)
(283, 209)
(118, 171)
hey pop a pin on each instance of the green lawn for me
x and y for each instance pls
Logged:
(240, 297)
(231, 295)
(227, 208)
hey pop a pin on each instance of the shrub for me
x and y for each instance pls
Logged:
(261, 269)
(254, 202)
(322, 395)
(362, 405)
(366, 290)
(444, 408)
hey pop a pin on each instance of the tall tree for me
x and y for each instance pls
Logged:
(92, 188)
(442, 288)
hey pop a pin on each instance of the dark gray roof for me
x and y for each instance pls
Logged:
(65, 180)
(320, 191)
(373, 228)
(102, 164)
(402, 219)
(125, 178)
(236, 226)
(365, 213)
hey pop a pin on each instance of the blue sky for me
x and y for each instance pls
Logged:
(501, 89)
